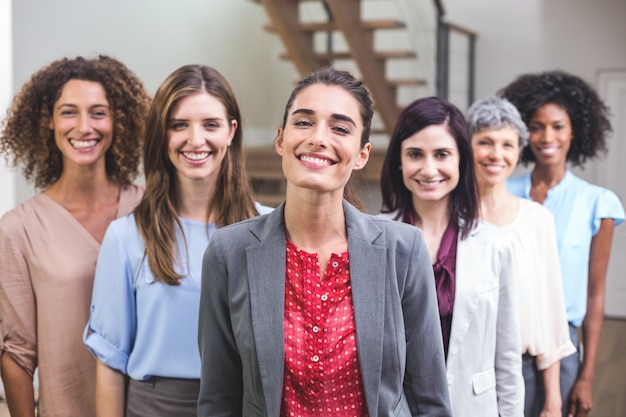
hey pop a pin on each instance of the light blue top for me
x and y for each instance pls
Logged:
(139, 326)
(577, 207)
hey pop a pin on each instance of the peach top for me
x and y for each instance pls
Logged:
(47, 264)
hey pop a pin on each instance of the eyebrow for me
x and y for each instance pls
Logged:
(414, 148)
(208, 119)
(335, 116)
(76, 105)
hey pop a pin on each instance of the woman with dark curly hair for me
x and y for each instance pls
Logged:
(75, 128)
(568, 122)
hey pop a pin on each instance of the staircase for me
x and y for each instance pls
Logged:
(342, 20)
(344, 17)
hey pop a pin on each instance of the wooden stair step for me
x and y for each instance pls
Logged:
(406, 82)
(325, 56)
(331, 26)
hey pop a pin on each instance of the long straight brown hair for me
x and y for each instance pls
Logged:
(157, 214)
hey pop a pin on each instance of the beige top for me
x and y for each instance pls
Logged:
(47, 265)
(543, 322)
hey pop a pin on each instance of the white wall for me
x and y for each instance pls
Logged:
(154, 37)
(7, 176)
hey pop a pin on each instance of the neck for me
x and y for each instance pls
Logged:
(497, 205)
(192, 199)
(549, 175)
(492, 195)
(314, 220)
(83, 186)
(432, 217)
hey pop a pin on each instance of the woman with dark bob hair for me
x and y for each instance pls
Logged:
(568, 122)
(75, 128)
(318, 309)
(428, 181)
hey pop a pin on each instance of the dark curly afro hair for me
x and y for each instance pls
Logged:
(27, 141)
(589, 116)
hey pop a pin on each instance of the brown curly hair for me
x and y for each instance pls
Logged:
(28, 141)
(587, 112)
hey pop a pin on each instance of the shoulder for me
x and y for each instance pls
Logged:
(130, 196)
(517, 185)
(263, 209)
(395, 234)
(13, 223)
(490, 238)
(123, 229)
(392, 215)
(532, 211)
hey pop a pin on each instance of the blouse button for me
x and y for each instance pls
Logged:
(316, 329)
(315, 358)
(324, 297)
(335, 264)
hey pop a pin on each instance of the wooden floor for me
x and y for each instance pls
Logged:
(609, 388)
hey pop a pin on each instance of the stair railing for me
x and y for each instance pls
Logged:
(444, 30)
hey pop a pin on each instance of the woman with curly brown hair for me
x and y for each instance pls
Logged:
(568, 122)
(75, 128)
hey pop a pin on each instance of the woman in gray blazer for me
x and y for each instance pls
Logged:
(317, 309)
(428, 181)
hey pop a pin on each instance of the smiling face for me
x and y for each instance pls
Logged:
(550, 135)
(199, 133)
(430, 164)
(496, 152)
(82, 122)
(320, 144)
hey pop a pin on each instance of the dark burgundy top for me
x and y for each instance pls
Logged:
(445, 280)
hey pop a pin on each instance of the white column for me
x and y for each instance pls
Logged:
(7, 176)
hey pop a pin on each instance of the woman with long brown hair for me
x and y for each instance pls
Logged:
(144, 310)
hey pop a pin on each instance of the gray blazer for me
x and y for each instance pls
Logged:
(398, 333)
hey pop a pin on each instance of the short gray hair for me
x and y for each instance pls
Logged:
(495, 112)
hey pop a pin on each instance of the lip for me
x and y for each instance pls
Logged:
(313, 160)
(196, 157)
(84, 145)
(493, 168)
(548, 150)
(429, 185)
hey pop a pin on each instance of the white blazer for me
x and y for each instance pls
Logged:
(484, 363)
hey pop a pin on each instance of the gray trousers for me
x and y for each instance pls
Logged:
(163, 397)
(535, 395)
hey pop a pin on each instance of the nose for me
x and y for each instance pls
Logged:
(495, 152)
(196, 136)
(428, 168)
(84, 123)
(319, 136)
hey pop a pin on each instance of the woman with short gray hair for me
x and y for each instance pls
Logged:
(498, 134)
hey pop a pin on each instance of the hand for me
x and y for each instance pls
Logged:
(552, 408)
(550, 412)
(580, 399)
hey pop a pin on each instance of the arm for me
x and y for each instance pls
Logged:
(110, 332)
(18, 341)
(110, 391)
(580, 399)
(221, 383)
(426, 385)
(508, 359)
(18, 387)
(552, 387)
